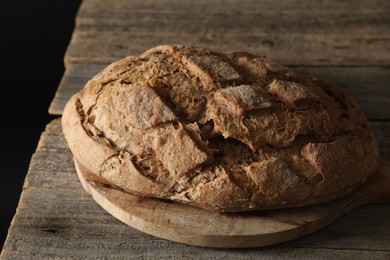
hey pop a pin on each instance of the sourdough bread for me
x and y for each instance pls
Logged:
(221, 131)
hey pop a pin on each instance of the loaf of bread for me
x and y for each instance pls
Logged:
(226, 132)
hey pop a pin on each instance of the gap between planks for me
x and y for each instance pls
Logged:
(96, 6)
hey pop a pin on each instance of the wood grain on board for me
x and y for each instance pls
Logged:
(194, 226)
(296, 33)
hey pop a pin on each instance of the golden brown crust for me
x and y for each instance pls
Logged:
(225, 132)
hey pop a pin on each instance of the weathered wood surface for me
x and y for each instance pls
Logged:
(318, 33)
(93, 6)
(288, 48)
(56, 218)
(343, 41)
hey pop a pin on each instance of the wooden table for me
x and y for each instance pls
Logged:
(345, 43)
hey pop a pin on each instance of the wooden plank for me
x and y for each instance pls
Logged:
(369, 85)
(225, 5)
(293, 48)
(73, 80)
(314, 33)
(240, 21)
(57, 219)
(382, 134)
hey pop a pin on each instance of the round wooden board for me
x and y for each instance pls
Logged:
(194, 226)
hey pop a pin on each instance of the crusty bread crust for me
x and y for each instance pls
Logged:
(225, 132)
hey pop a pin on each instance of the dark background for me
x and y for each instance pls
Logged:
(33, 40)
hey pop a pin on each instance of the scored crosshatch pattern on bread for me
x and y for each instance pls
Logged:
(225, 132)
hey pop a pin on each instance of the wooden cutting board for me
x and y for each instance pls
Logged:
(194, 226)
